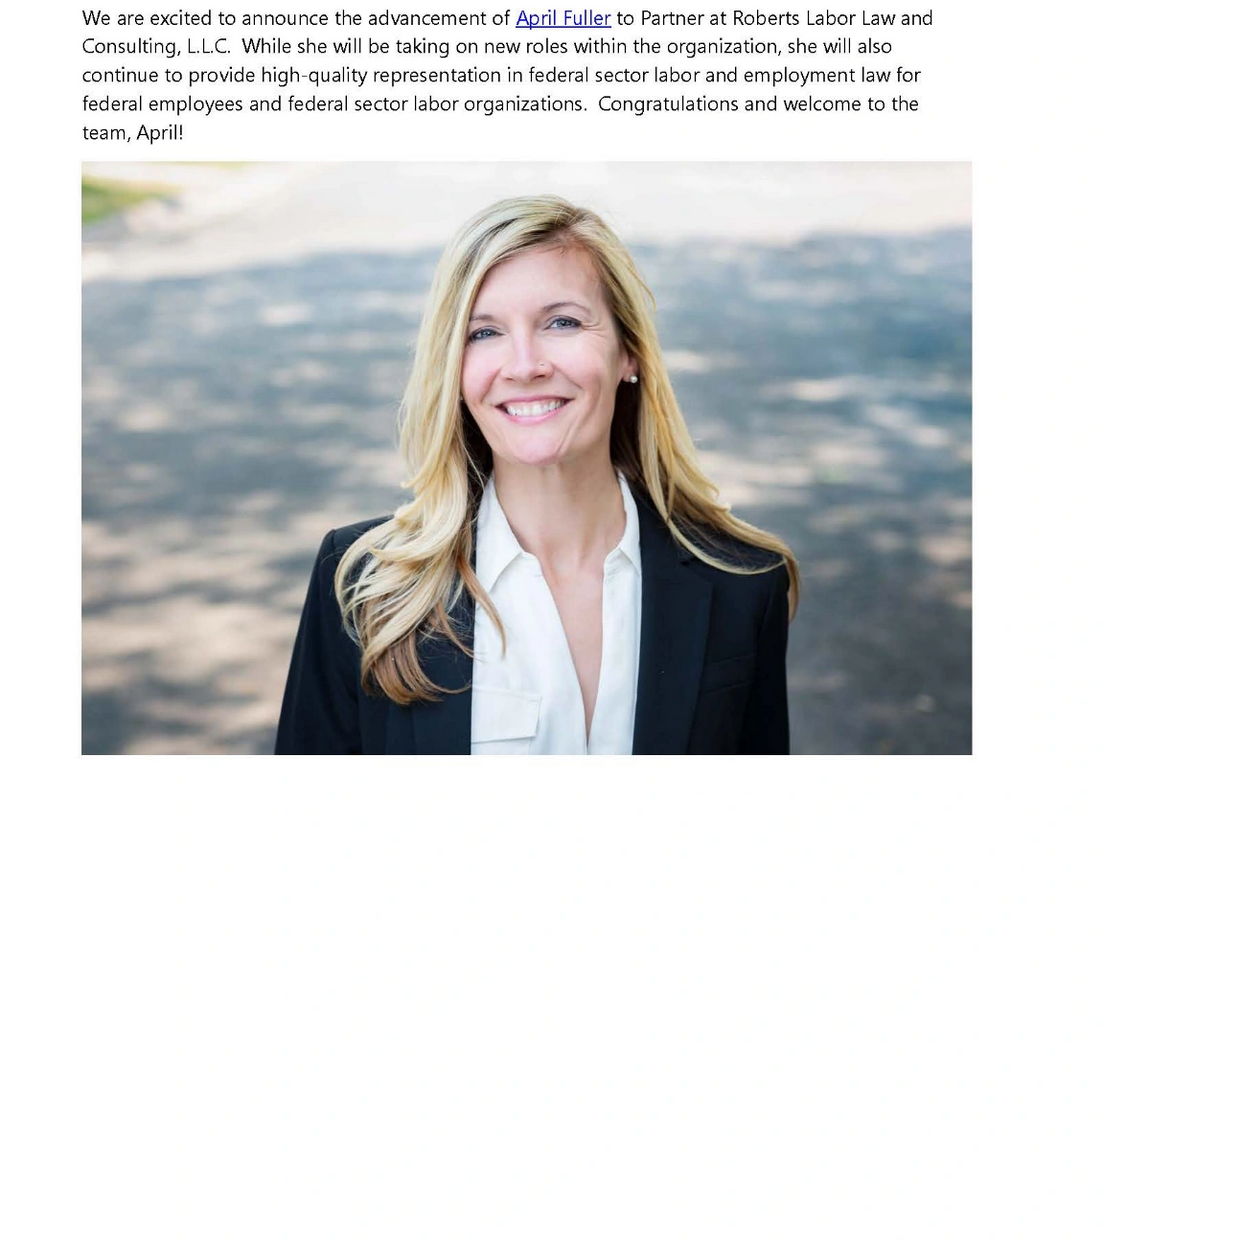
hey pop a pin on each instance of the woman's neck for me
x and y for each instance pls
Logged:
(568, 518)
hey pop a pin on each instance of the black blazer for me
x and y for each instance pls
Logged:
(711, 674)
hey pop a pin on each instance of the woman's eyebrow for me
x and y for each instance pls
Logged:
(554, 305)
(560, 305)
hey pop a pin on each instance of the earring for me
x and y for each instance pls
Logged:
(632, 378)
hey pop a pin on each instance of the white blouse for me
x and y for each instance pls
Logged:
(529, 700)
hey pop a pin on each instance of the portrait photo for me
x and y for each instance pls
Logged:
(515, 458)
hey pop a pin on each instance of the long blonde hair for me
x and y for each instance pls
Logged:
(401, 580)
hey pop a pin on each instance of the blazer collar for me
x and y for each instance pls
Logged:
(676, 604)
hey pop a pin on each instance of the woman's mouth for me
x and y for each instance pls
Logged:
(533, 410)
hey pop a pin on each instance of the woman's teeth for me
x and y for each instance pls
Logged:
(531, 408)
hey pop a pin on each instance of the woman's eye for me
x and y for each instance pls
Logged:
(483, 333)
(563, 320)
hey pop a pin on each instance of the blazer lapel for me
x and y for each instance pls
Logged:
(675, 621)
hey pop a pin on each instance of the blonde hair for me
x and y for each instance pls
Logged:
(401, 580)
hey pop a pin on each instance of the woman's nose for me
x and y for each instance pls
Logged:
(524, 361)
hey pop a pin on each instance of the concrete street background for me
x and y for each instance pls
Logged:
(246, 340)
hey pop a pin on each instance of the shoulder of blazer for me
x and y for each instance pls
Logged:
(733, 552)
(764, 568)
(757, 593)
(725, 547)
(344, 536)
(750, 597)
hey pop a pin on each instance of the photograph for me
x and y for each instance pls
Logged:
(516, 458)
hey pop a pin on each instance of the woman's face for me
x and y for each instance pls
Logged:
(543, 359)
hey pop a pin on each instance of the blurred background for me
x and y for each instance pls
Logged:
(246, 335)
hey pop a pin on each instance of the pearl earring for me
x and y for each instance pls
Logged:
(632, 378)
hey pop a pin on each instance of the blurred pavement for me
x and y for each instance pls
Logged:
(244, 351)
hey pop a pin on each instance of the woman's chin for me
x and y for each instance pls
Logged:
(531, 450)
(534, 460)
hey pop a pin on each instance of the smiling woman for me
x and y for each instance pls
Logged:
(565, 579)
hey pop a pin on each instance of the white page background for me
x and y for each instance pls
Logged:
(833, 996)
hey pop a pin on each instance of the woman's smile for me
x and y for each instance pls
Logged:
(533, 409)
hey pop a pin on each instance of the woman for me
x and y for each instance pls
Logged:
(564, 579)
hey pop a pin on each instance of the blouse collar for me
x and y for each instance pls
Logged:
(497, 545)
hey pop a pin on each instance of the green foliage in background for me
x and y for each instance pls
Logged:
(101, 198)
